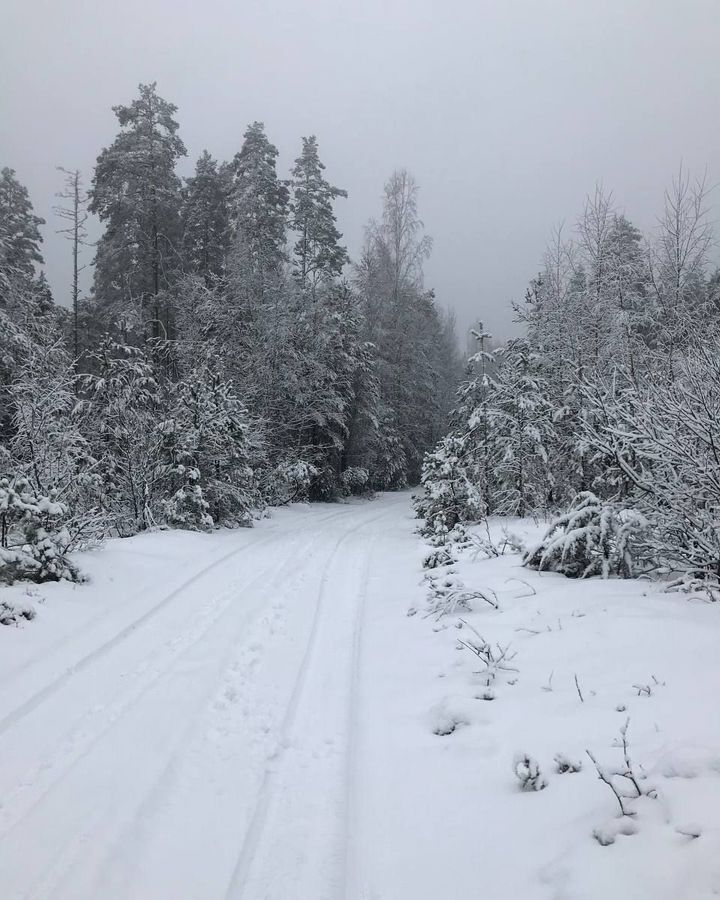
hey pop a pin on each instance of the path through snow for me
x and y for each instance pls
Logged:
(251, 715)
(180, 727)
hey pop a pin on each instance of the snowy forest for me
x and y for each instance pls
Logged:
(230, 355)
(359, 450)
(605, 412)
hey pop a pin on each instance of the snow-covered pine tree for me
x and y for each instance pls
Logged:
(205, 219)
(210, 453)
(136, 195)
(519, 421)
(33, 540)
(26, 307)
(258, 217)
(592, 538)
(473, 422)
(448, 497)
(318, 256)
(19, 231)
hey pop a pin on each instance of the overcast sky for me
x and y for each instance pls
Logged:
(506, 112)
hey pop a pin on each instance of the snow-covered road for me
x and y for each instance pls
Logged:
(252, 715)
(188, 725)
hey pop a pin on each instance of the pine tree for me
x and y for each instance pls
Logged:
(210, 451)
(136, 194)
(205, 219)
(520, 419)
(480, 449)
(258, 214)
(318, 257)
(19, 231)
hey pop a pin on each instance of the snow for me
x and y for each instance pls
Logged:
(253, 714)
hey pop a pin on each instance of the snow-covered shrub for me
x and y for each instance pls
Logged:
(699, 583)
(354, 481)
(446, 716)
(448, 593)
(188, 508)
(34, 544)
(325, 487)
(292, 480)
(658, 440)
(448, 498)
(495, 659)
(13, 613)
(527, 771)
(438, 556)
(121, 402)
(564, 764)
(512, 540)
(592, 538)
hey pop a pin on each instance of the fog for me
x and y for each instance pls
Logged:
(507, 113)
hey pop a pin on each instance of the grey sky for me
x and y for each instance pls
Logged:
(506, 112)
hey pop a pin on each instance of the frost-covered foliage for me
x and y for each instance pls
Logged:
(592, 538)
(527, 771)
(355, 481)
(123, 400)
(611, 392)
(387, 461)
(226, 358)
(211, 447)
(659, 442)
(448, 495)
(34, 539)
(292, 480)
(187, 507)
(495, 459)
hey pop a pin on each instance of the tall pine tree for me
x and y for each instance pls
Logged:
(205, 221)
(136, 194)
(318, 256)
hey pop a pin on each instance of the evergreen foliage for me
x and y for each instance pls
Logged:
(136, 195)
(223, 360)
(606, 410)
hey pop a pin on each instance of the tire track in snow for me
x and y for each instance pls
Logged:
(73, 849)
(18, 713)
(258, 821)
(96, 723)
(348, 860)
(64, 865)
(67, 857)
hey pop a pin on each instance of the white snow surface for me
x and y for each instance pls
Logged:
(252, 714)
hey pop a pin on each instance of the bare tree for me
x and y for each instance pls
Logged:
(680, 253)
(74, 212)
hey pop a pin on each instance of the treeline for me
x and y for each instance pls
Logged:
(229, 355)
(608, 406)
